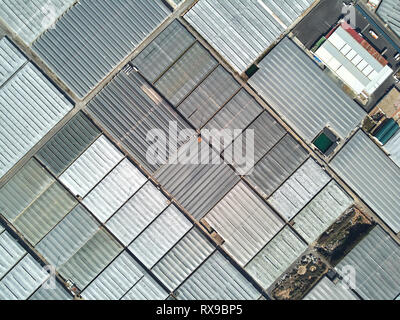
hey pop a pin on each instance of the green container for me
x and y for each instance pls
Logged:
(323, 143)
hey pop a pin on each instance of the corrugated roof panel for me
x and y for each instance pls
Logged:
(146, 289)
(22, 280)
(10, 252)
(238, 113)
(393, 147)
(44, 213)
(186, 74)
(68, 143)
(276, 257)
(91, 259)
(217, 279)
(11, 59)
(372, 175)
(128, 108)
(156, 240)
(245, 222)
(116, 280)
(389, 11)
(242, 30)
(376, 261)
(135, 215)
(110, 31)
(303, 95)
(299, 189)
(267, 132)
(31, 19)
(327, 290)
(277, 165)
(322, 212)
(68, 236)
(183, 259)
(57, 293)
(163, 51)
(209, 97)
(116, 188)
(23, 188)
(198, 187)
(91, 167)
(30, 106)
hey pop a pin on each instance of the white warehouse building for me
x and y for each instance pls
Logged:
(354, 61)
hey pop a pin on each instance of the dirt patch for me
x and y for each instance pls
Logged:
(344, 235)
(295, 284)
(390, 105)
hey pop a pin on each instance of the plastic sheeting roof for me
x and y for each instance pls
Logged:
(245, 222)
(128, 108)
(146, 289)
(186, 74)
(116, 280)
(61, 243)
(209, 97)
(110, 31)
(163, 51)
(276, 257)
(393, 147)
(241, 30)
(217, 279)
(322, 212)
(68, 143)
(57, 293)
(299, 189)
(188, 254)
(22, 280)
(92, 166)
(389, 11)
(156, 240)
(277, 165)
(114, 190)
(30, 20)
(10, 253)
(30, 106)
(198, 187)
(327, 290)
(376, 261)
(303, 95)
(11, 59)
(137, 213)
(372, 175)
(91, 259)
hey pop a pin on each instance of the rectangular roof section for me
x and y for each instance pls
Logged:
(299, 189)
(241, 30)
(93, 37)
(68, 143)
(29, 21)
(30, 106)
(217, 279)
(163, 51)
(128, 108)
(11, 59)
(376, 260)
(372, 175)
(322, 212)
(303, 95)
(245, 223)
